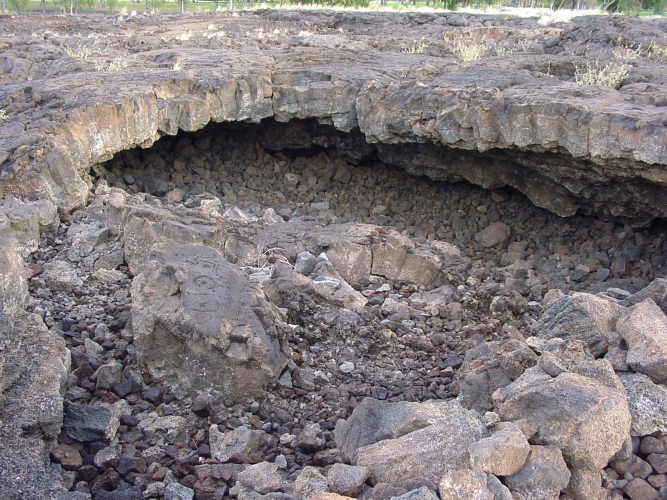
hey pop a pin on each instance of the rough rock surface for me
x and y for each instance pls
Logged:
(442, 446)
(33, 369)
(580, 317)
(374, 421)
(564, 149)
(647, 403)
(200, 321)
(543, 476)
(566, 409)
(644, 329)
(349, 247)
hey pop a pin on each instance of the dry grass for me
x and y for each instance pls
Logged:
(471, 50)
(595, 73)
(415, 49)
(116, 64)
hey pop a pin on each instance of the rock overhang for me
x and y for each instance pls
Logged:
(569, 147)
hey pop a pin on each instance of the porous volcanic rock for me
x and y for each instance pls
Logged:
(200, 321)
(521, 121)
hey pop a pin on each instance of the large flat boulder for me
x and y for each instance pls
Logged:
(374, 420)
(428, 452)
(200, 322)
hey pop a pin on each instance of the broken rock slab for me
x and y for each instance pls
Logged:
(644, 329)
(490, 366)
(580, 316)
(374, 420)
(587, 420)
(428, 452)
(647, 402)
(199, 322)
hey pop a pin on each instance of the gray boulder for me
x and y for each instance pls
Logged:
(543, 476)
(142, 226)
(587, 420)
(428, 452)
(262, 478)
(496, 234)
(309, 483)
(647, 403)
(644, 329)
(490, 366)
(656, 291)
(347, 480)
(324, 286)
(241, 445)
(580, 316)
(464, 484)
(501, 454)
(199, 322)
(374, 420)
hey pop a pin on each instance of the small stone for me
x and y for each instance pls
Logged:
(262, 478)
(347, 479)
(638, 489)
(176, 491)
(658, 462)
(106, 457)
(497, 234)
(153, 395)
(67, 456)
(346, 367)
(602, 274)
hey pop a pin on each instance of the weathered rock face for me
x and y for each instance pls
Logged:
(585, 419)
(199, 321)
(33, 369)
(427, 452)
(644, 328)
(523, 119)
(491, 366)
(580, 316)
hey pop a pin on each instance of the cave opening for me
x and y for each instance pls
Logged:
(304, 168)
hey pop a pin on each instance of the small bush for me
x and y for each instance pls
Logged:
(116, 65)
(609, 75)
(657, 51)
(471, 50)
(415, 49)
(626, 52)
(80, 53)
(505, 50)
(178, 64)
